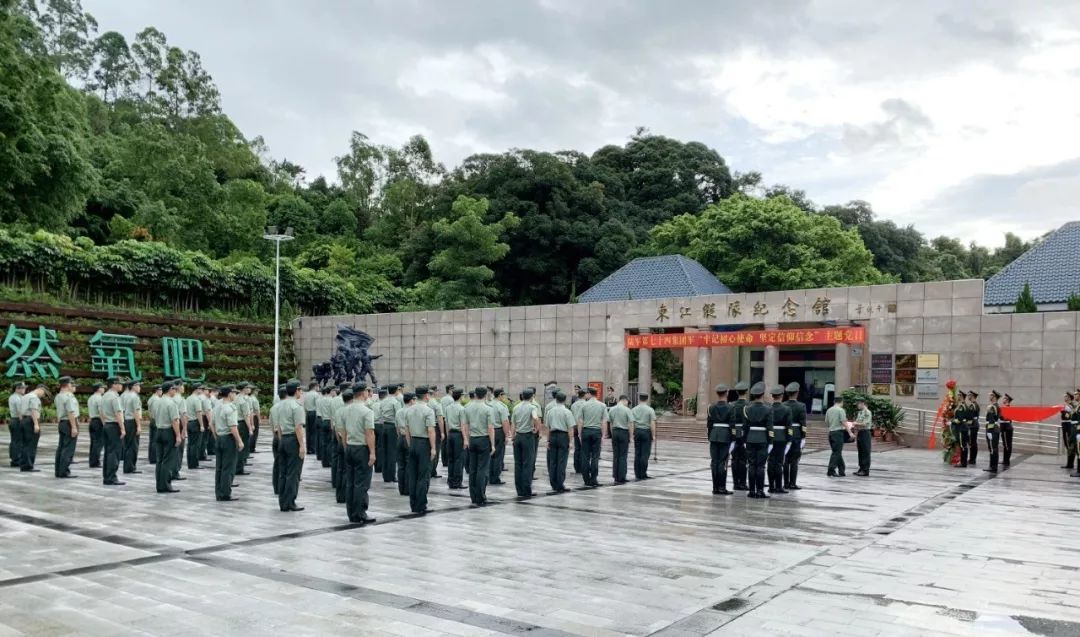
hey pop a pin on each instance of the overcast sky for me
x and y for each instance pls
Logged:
(962, 118)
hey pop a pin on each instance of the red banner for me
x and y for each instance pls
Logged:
(809, 336)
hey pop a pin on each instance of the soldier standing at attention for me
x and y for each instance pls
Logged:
(227, 428)
(166, 436)
(15, 424)
(112, 417)
(480, 444)
(151, 447)
(388, 440)
(420, 434)
(67, 414)
(97, 429)
(643, 429)
(959, 426)
(993, 416)
(836, 419)
(376, 409)
(592, 423)
(209, 436)
(292, 419)
(359, 456)
(455, 442)
(1068, 436)
(738, 453)
(275, 444)
(402, 447)
(526, 419)
(974, 411)
(575, 410)
(436, 405)
(256, 415)
(757, 428)
(798, 436)
(334, 453)
(245, 427)
(337, 456)
(181, 408)
(720, 440)
(320, 417)
(192, 419)
(310, 396)
(558, 423)
(132, 405)
(1006, 433)
(502, 425)
(619, 417)
(778, 446)
(864, 424)
(30, 408)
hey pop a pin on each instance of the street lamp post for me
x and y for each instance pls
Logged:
(272, 234)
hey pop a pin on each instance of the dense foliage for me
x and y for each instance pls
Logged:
(122, 146)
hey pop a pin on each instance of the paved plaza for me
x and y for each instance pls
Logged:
(916, 549)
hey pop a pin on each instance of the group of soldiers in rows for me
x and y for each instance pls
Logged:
(964, 424)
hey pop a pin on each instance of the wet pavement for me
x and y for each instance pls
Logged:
(918, 548)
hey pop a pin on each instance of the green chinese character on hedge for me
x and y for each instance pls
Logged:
(113, 355)
(177, 353)
(32, 352)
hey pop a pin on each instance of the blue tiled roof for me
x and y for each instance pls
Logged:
(655, 278)
(1052, 268)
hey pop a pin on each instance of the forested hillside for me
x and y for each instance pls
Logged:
(122, 179)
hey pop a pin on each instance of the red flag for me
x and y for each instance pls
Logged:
(1030, 413)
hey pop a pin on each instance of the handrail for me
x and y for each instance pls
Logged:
(1037, 436)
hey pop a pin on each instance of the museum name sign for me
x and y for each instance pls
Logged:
(811, 336)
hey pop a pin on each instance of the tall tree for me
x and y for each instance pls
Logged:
(114, 72)
(67, 35)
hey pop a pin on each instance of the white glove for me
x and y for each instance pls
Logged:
(731, 448)
(787, 448)
(770, 448)
(802, 444)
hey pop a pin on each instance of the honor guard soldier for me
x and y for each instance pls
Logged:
(192, 417)
(15, 424)
(526, 426)
(167, 436)
(558, 423)
(67, 415)
(209, 436)
(721, 442)
(502, 424)
(310, 396)
(292, 447)
(229, 442)
(455, 441)
(420, 434)
(1068, 435)
(359, 437)
(479, 445)
(757, 426)
(836, 420)
(779, 445)
(112, 417)
(738, 452)
(132, 406)
(619, 418)
(592, 422)
(275, 443)
(960, 426)
(97, 429)
(151, 447)
(1006, 426)
(643, 429)
(256, 415)
(402, 449)
(864, 425)
(798, 436)
(993, 433)
(974, 412)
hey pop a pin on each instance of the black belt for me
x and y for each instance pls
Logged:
(289, 435)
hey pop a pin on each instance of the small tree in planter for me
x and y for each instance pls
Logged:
(887, 414)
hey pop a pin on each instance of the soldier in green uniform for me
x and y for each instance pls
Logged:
(455, 441)
(388, 438)
(167, 437)
(643, 429)
(592, 423)
(444, 446)
(67, 415)
(245, 426)
(256, 414)
(321, 417)
(798, 436)
(718, 425)
(97, 429)
(558, 423)
(579, 449)
(337, 454)
(209, 436)
(334, 453)
(376, 409)
(275, 443)
(1006, 433)
(402, 447)
(738, 452)
(359, 421)
(778, 446)
(112, 418)
(191, 418)
(132, 406)
(864, 425)
(436, 405)
(15, 424)
(757, 432)
(479, 445)
(420, 435)
(502, 424)
(311, 422)
(619, 418)
(293, 448)
(151, 447)
(993, 416)
(181, 408)
(973, 413)
(227, 427)
(526, 421)
(1068, 436)
(30, 408)
(836, 420)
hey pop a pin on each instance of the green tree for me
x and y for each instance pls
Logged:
(114, 73)
(461, 270)
(67, 35)
(897, 251)
(1025, 302)
(337, 219)
(756, 245)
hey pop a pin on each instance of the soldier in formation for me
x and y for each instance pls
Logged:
(619, 418)
(721, 441)
(526, 428)
(167, 437)
(798, 436)
(643, 431)
(67, 414)
(864, 423)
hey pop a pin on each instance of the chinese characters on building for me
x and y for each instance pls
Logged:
(789, 309)
(811, 336)
(32, 353)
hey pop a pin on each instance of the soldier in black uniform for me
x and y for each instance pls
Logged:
(959, 426)
(1006, 433)
(778, 446)
(738, 452)
(1068, 435)
(718, 426)
(993, 416)
(757, 431)
(973, 414)
(798, 436)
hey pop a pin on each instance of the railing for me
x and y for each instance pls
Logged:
(1031, 437)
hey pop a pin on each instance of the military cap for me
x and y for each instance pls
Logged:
(359, 387)
(20, 385)
(450, 388)
(94, 387)
(409, 396)
(112, 381)
(225, 390)
(973, 393)
(326, 390)
(994, 393)
(66, 380)
(721, 388)
(1069, 394)
(292, 386)
(281, 387)
(777, 390)
(792, 388)
(421, 391)
(963, 395)
(743, 386)
(499, 391)
(383, 392)
(1008, 397)
(420, 387)
(178, 382)
(347, 395)
(758, 389)
(132, 383)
